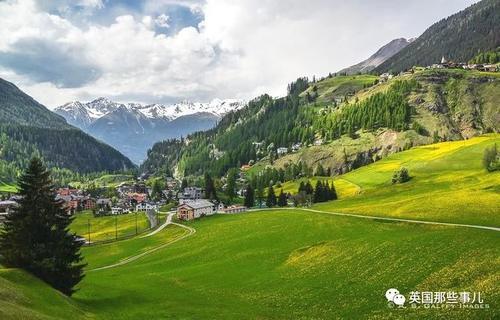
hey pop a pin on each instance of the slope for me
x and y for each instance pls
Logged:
(341, 122)
(459, 38)
(27, 128)
(378, 57)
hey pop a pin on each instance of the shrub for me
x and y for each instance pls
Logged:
(401, 176)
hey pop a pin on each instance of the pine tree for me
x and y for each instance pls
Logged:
(260, 195)
(318, 192)
(333, 192)
(249, 197)
(210, 192)
(271, 198)
(36, 236)
(282, 199)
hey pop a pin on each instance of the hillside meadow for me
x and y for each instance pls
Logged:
(297, 264)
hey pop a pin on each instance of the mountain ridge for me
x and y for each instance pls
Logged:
(133, 128)
(27, 129)
(458, 37)
(381, 55)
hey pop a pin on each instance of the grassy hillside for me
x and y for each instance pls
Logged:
(26, 297)
(29, 129)
(293, 264)
(448, 183)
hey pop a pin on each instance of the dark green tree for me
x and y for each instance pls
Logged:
(282, 199)
(271, 198)
(184, 184)
(210, 191)
(36, 237)
(232, 175)
(249, 197)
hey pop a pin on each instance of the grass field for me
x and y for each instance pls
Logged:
(287, 264)
(296, 264)
(103, 228)
(448, 184)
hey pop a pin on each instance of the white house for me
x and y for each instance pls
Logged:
(119, 210)
(194, 209)
(145, 206)
(281, 151)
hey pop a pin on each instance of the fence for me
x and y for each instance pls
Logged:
(105, 229)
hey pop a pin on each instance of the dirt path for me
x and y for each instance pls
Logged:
(190, 232)
(396, 219)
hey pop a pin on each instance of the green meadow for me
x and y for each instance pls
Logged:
(297, 264)
(108, 227)
(448, 184)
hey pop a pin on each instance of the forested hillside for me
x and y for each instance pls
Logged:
(370, 119)
(27, 128)
(459, 38)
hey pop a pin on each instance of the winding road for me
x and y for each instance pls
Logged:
(168, 221)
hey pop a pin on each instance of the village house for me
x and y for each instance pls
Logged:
(233, 209)
(190, 193)
(104, 205)
(119, 210)
(146, 206)
(245, 167)
(194, 209)
(282, 151)
(296, 147)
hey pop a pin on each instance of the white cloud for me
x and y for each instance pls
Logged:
(241, 49)
(162, 21)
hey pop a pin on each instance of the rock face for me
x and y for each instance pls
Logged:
(378, 57)
(133, 128)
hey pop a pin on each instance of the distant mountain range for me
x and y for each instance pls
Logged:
(133, 128)
(378, 57)
(28, 128)
(459, 38)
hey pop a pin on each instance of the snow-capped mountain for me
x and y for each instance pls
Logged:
(133, 128)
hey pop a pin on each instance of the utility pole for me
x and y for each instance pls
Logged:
(116, 227)
(136, 223)
(88, 228)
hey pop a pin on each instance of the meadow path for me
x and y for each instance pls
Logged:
(399, 219)
(190, 232)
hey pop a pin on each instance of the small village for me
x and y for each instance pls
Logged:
(188, 202)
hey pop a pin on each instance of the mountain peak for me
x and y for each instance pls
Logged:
(382, 54)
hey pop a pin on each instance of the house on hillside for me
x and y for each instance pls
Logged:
(282, 151)
(190, 193)
(194, 209)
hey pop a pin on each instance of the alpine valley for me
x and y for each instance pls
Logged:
(133, 128)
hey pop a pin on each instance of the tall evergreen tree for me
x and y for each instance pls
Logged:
(36, 237)
(210, 192)
(318, 192)
(271, 198)
(249, 197)
(232, 175)
(282, 199)
(333, 192)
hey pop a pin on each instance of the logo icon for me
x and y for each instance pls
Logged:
(394, 297)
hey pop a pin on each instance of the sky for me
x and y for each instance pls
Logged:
(165, 51)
